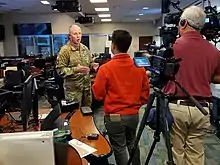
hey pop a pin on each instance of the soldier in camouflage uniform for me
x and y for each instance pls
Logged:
(75, 61)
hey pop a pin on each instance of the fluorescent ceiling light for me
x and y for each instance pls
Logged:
(45, 2)
(137, 19)
(106, 20)
(145, 8)
(141, 14)
(98, 1)
(104, 15)
(102, 9)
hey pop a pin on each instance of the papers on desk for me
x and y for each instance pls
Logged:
(43, 116)
(65, 103)
(82, 148)
(27, 148)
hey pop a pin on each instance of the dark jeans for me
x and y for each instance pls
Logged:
(122, 136)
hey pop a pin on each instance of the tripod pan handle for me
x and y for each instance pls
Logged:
(199, 106)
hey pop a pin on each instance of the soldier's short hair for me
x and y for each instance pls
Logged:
(70, 28)
(122, 40)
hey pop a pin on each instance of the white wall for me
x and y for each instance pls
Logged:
(97, 43)
(61, 22)
(1, 49)
(136, 30)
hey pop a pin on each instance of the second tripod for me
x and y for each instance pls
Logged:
(159, 122)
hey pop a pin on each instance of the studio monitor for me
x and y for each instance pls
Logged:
(2, 33)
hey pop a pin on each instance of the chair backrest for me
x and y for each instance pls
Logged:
(13, 78)
(10, 68)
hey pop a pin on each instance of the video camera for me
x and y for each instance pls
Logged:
(163, 66)
(211, 28)
(162, 63)
(169, 31)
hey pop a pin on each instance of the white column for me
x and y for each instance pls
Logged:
(2, 49)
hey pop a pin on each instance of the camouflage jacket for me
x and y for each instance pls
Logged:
(68, 59)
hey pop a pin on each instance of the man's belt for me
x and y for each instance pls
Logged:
(188, 103)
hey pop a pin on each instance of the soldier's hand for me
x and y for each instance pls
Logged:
(83, 69)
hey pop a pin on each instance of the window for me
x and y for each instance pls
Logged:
(43, 45)
(35, 45)
(25, 45)
(58, 41)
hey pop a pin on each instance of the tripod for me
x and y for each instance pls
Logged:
(162, 111)
(161, 125)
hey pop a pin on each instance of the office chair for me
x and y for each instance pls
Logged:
(13, 82)
(25, 68)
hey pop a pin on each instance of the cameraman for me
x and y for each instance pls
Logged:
(200, 63)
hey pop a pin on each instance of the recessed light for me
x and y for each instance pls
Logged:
(104, 15)
(106, 20)
(137, 19)
(145, 8)
(141, 14)
(45, 2)
(98, 1)
(102, 9)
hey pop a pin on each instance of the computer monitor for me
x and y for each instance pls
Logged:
(27, 148)
(35, 102)
(29, 102)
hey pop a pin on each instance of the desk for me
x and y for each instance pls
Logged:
(64, 153)
(80, 126)
(67, 155)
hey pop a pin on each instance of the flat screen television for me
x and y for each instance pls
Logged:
(2, 33)
(32, 29)
(85, 41)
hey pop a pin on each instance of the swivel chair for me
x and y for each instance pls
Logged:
(13, 82)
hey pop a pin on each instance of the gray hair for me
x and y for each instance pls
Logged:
(195, 16)
(73, 26)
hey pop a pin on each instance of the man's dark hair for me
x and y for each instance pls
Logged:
(122, 40)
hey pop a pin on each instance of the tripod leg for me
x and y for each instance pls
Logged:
(166, 135)
(156, 139)
(166, 132)
(141, 128)
(157, 132)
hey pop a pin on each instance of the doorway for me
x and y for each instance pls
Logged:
(144, 40)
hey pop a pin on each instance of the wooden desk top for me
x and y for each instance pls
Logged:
(67, 155)
(73, 158)
(81, 126)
